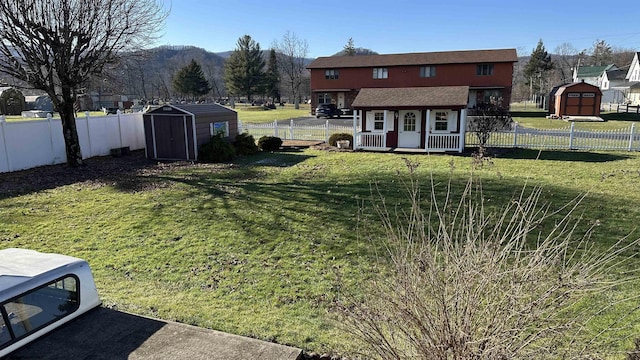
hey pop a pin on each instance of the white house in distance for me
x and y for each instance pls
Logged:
(609, 78)
(633, 79)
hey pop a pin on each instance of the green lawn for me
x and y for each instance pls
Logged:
(266, 246)
(256, 114)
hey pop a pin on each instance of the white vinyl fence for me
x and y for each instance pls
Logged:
(293, 131)
(570, 138)
(32, 143)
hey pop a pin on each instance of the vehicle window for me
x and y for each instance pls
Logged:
(42, 306)
(5, 337)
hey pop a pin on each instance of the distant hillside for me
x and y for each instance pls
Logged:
(359, 51)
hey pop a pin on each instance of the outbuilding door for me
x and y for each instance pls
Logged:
(409, 129)
(171, 142)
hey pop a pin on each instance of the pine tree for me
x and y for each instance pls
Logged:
(190, 80)
(349, 48)
(272, 86)
(244, 70)
(601, 53)
(537, 69)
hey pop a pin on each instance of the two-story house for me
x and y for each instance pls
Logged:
(609, 78)
(414, 100)
(633, 77)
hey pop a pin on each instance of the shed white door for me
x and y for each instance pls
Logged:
(409, 129)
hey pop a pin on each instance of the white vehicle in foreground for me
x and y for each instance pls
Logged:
(39, 292)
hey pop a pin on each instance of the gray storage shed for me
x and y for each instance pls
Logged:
(176, 132)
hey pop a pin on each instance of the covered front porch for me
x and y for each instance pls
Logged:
(419, 120)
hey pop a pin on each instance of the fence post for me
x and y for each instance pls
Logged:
(87, 115)
(515, 135)
(3, 121)
(119, 113)
(275, 128)
(631, 136)
(53, 154)
(571, 136)
(326, 132)
(291, 129)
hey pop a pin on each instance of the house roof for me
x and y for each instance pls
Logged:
(412, 97)
(425, 58)
(616, 74)
(594, 71)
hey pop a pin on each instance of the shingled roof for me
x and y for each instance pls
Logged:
(434, 96)
(425, 58)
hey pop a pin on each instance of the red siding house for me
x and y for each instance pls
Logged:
(416, 100)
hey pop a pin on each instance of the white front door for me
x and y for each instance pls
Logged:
(340, 103)
(409, 129)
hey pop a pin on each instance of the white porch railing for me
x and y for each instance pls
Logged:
(444, 142)
(369, 140)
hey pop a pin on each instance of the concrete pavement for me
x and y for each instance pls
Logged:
(109, 334)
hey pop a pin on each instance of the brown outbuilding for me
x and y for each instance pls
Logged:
(575, 99)
(176, 132)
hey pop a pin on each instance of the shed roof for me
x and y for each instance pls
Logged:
(412, 96)
(196, 109)
(425, 58)
(568, 87)
(18, 266)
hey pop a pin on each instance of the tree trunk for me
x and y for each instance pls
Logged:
(70, 132)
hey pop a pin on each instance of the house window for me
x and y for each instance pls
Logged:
(409, 122)
(331, 74)
(442, 121)
(427, 71)
(484, 69)
(380, 73)
(378, 121)
(324, 98)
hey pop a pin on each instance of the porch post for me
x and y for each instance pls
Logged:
(355, 128)
(463, 129)
(427, 130)
(384, 129)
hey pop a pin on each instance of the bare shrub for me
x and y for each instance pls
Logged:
(459, 282)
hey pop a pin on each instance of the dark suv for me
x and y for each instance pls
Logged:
(328, 111)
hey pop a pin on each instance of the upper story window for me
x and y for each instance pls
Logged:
(484, 69)
(380, 73)
(331, 74)
(427, 71)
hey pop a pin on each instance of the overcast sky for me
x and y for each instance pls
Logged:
(404, 26)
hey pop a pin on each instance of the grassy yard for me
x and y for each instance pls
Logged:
(256, 114)
(265, 246)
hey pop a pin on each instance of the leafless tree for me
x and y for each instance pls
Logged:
(292, 52)
(567, 61)
(57, 45)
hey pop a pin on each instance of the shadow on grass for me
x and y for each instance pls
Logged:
(129, 173)
(581, 156)
(528, 114)
(620, 116)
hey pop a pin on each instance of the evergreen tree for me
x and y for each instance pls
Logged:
(601, 53)
(244, 70)
(538, 68)
(349, 48)
(273, 77)
(190, 80)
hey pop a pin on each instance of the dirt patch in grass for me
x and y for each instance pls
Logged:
(132, 172)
